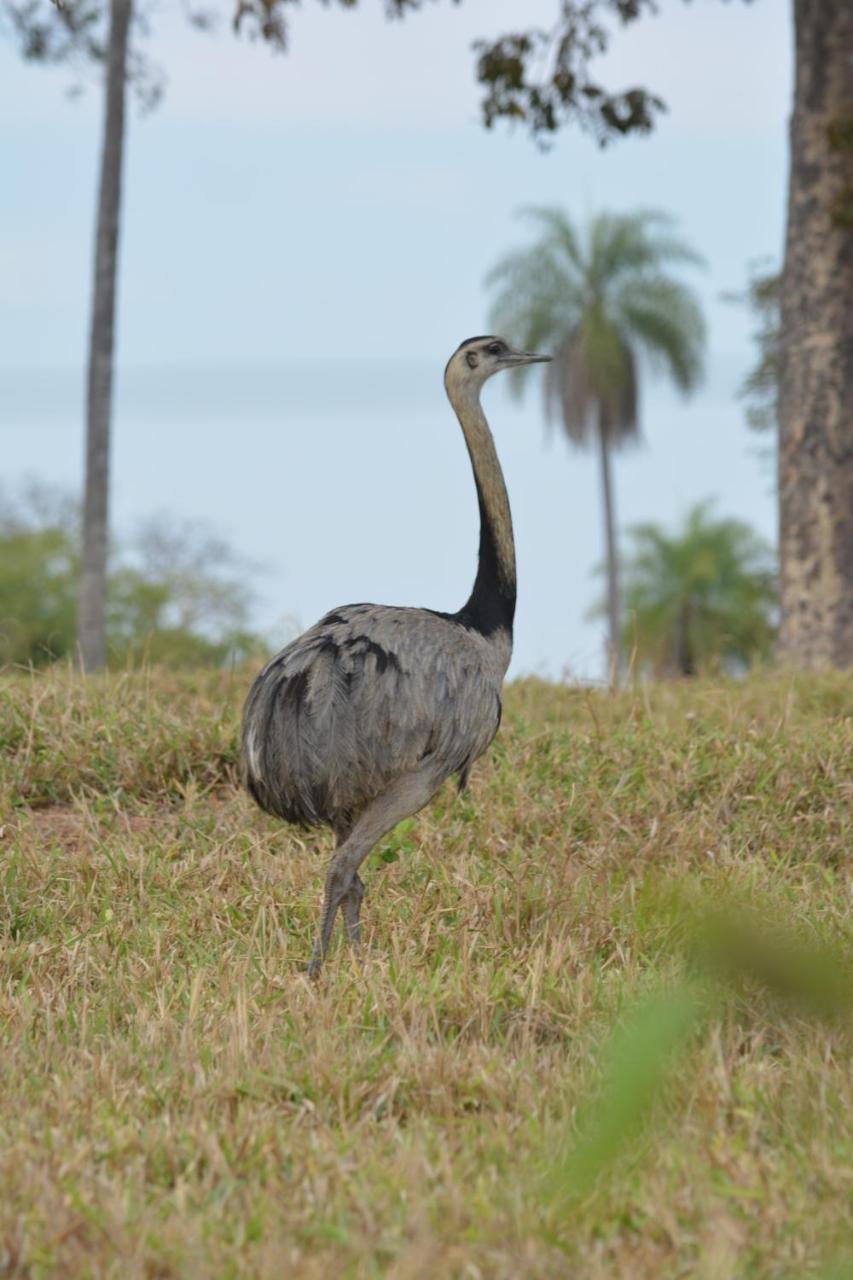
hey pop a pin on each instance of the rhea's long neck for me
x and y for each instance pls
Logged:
(491, 606)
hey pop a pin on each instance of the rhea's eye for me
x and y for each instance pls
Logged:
(494, 348)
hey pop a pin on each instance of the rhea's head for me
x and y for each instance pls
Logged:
(476, 359)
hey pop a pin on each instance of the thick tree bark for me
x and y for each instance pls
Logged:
(614, 605)
(816, 379)
(93, 576)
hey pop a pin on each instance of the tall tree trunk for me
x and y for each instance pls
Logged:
(614, 607)
(93, 576)
(816, 379)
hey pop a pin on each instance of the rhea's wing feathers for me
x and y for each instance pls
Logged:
(360, 699)
(422, 684)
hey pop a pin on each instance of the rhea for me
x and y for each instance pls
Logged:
(358, 722)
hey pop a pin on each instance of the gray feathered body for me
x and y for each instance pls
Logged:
(363, 698)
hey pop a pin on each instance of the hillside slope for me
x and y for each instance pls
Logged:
(176, 1099)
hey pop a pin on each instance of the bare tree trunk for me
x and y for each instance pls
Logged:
(93, 576)
(684, 664)
(816, 380)
(614, 607)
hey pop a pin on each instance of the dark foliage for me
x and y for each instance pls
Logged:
(760, 388)
(539, 77)
(542, 77)
(74, 33)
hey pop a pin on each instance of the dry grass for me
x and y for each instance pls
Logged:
(177, 1100)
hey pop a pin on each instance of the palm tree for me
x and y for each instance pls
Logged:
(601, 300)
(703, 598)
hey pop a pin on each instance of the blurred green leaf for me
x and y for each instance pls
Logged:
(637, 1063)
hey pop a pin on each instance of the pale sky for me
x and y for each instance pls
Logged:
(304, 243)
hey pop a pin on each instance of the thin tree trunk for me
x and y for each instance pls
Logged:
(93, 575)
(614, 608)
(816, 376)
(684, 664)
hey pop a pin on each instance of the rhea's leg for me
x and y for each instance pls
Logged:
(342, 832)
(351, 902)
(400, 800)
(351, 912)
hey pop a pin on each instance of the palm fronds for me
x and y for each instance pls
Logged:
(600, 299)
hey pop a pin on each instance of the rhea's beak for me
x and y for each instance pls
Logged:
(525, 357)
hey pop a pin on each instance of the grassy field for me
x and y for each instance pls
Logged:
(600, 1028)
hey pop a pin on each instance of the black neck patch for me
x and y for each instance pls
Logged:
(491, 604)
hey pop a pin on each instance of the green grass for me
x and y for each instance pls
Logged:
(600, 1029)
